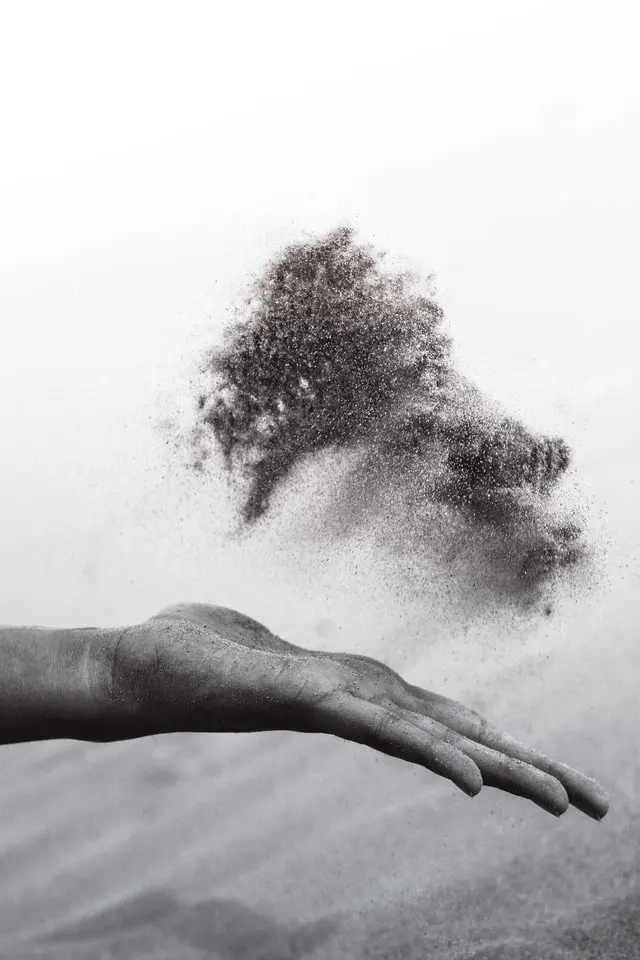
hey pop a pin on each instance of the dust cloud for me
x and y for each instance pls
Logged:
(335, 404)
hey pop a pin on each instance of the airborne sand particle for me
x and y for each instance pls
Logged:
(331, 353)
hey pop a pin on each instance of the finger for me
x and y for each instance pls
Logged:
(345, 716)
(500, 771)
(584, 793)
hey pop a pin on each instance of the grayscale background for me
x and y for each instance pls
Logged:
(152, 157)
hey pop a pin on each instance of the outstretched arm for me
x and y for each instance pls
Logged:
(195, 667)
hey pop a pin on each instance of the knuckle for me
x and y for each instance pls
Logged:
(481, 726)
(366, 678)
(383, 725)
(308, 682)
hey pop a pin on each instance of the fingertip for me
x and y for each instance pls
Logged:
(601, 803)
(605, 803)
(472, 783)
(587, 795)
(469, 790)
(598, 807)
(556, 801)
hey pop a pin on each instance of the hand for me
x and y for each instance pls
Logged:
(195, 667)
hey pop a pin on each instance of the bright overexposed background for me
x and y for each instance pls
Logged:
(153, 155)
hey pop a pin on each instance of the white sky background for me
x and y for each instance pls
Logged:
(153, 155)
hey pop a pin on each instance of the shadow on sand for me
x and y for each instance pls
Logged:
(152, 923)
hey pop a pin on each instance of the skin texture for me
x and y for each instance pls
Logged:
(205, 668)
(201, 668)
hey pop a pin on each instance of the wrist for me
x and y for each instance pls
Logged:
(77, 697)
(59, 684)
(115, 701)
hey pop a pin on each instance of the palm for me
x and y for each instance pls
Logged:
(200, 667)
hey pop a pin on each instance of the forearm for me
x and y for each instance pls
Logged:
(54, 684)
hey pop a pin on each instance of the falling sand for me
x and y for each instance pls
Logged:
(338, 366)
